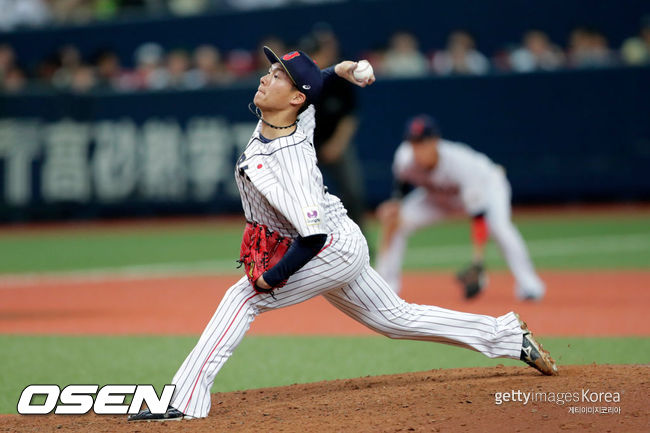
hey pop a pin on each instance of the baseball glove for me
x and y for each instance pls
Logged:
(473, 279)
(260, 250)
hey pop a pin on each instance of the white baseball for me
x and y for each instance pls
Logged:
(363, 71)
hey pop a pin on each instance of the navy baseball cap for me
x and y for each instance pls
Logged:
(420, 127)
(302, 70)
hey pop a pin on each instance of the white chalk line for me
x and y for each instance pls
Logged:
(558, 247)
(123, 273)
(431, 255)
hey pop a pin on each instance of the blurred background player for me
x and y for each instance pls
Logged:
(336, 126)
(450, 177)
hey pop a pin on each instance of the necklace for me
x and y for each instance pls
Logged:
(258, 113)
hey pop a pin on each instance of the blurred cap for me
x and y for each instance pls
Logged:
(420, 127)
(302, 70)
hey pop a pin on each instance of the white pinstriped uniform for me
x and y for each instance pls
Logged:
(281, 187)
(463, 180)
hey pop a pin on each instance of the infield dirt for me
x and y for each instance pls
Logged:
(457, 400)
(593, 303)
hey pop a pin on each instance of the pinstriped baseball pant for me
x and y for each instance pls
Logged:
(342, 274)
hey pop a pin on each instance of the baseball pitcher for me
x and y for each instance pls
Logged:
(300, 243)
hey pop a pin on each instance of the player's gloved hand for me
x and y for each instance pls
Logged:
(261, 249)
(473, 279)
(262, 285)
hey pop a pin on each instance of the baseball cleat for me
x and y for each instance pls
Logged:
(172, 414)
(533, 354)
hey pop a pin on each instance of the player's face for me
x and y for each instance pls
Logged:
(276, 90)
(425, 152)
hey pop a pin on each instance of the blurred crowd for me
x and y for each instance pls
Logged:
(17, 14)
(155, 68)
(586, 48)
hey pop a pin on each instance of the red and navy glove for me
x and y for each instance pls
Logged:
(261, 249)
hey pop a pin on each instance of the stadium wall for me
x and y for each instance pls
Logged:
(562, 136)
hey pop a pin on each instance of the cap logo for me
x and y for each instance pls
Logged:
(306, 86)
(290, 56)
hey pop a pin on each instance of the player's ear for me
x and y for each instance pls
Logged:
(298, 99)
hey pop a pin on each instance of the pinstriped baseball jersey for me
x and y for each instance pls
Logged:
(307, 122)
(281, 186)
(462, 177)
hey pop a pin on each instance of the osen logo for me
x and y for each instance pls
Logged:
(107, 400)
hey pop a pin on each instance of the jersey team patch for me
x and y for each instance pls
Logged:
(312, 215)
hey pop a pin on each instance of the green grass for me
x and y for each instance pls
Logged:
(605, 241)
(575, 241)
(554, 243)
(110, 248)
(260, 361)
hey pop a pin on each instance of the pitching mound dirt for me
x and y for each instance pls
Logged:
(595, 398)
